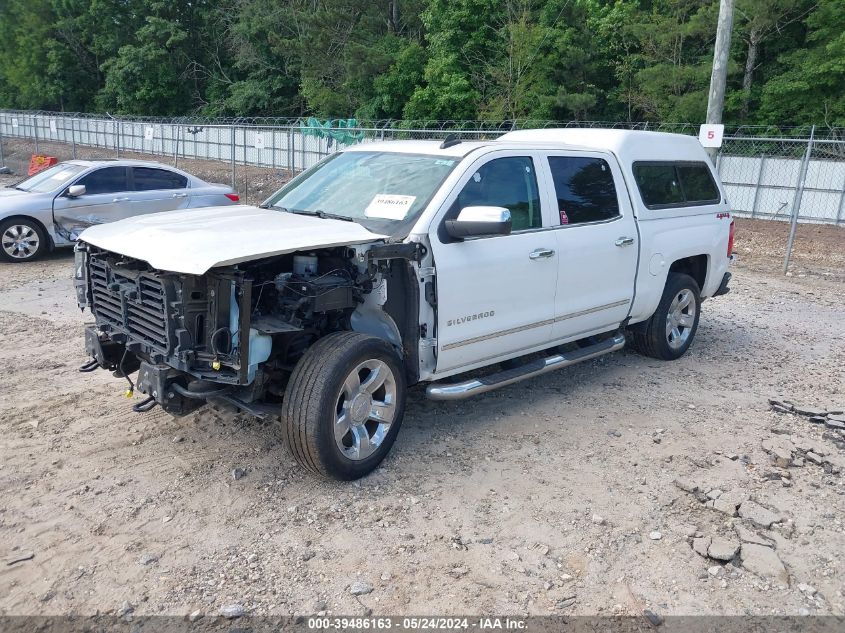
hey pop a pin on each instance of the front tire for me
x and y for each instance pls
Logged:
(668, 334)
(344, 405)
(21, 240)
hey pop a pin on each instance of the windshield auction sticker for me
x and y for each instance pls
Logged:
(389, 206)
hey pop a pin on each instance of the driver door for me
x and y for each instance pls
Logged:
(495, 294)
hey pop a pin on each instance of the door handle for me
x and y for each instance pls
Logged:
(541, 253)
(180, 195)
(121, 200)
(624, 241)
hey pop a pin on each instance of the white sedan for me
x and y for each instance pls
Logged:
(51, 208)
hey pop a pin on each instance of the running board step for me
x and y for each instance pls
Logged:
(461, 390)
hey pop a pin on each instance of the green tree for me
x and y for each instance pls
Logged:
(757, 24)
(30, 56)
(675, 41)
(159, 73)
(810, 87)
(458, 37)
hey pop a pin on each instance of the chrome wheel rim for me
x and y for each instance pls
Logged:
(366, 408)
(20, 241)
(680, 319)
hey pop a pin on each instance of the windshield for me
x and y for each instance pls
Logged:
(382, 191)
(50, 179)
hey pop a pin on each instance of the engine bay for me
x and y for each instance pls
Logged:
(238, 329)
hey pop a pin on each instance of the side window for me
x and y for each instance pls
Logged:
(676, 184)
(584, 188)
(504, 182)
(105, 180)
(697, 183)
(659, 184)
(151, 179)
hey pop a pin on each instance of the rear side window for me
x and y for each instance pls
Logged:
(584, 189)
(151, 179)
(675, 184)
(106, 180)
(698, 184)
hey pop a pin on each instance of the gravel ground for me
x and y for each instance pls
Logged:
(584, 491)
(819, 249)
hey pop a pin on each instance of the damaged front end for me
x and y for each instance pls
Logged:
(236, 332)
(187, 335)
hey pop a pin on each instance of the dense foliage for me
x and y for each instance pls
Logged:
(423, 59)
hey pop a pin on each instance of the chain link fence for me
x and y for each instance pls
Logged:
(773, 173)
(763, 177)
(762, 167)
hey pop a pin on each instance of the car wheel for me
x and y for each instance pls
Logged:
(668, 334)
(343, 405)
(21, 240)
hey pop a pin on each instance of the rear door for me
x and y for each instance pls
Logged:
(596, 241)
(156, 190)
(106, 199)
(495, 294)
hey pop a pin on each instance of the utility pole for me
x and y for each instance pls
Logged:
(719, 75)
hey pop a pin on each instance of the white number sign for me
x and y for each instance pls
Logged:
(149, 131)
(258, 142)
(710, 134)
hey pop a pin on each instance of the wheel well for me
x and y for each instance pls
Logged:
(694, 266)
(51, 245)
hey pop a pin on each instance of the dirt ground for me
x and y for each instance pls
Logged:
(580, 492)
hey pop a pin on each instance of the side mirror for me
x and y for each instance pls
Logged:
(478, 221)
(75, 191)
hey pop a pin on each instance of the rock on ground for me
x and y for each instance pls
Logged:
(232, 611)
(749, 536)
(758, 515)
(764, 562)
(722, 549)
(360, 588)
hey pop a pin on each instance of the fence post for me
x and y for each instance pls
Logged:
(232, 129)
(3, 159)
(796, 203)
(176, 146)
(290, 151)
(117, 127)
(759, 182)
(73, 136)
(35, 131)
(838, 212)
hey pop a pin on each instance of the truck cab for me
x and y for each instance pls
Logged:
(393, 263)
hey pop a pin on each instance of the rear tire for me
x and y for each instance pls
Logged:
(668, 334)
(21, 240)
(344, 405)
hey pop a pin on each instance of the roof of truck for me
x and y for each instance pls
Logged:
(628, 145)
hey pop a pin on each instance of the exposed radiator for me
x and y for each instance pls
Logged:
(131, 302)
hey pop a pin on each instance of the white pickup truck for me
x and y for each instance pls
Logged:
(390, 264)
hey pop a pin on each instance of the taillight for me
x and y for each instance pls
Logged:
(235, 198)
(731, 240)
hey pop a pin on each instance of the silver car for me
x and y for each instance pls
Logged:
(51, 208)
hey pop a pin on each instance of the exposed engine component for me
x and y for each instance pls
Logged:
(240, 327)
(303, 296)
